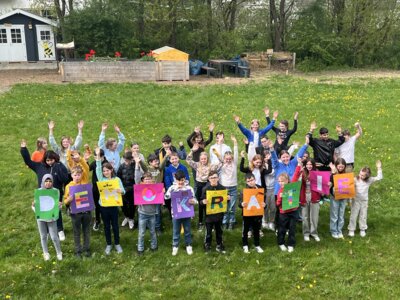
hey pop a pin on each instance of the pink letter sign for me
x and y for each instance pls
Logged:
(319, 181)
(145, 194)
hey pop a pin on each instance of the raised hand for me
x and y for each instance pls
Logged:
(296, 114)
(313, 126)
(211, 127)
(197, 129)
(80, 125)
(104, 126)
(116, 128)
(23, 143)
(237, 118)
(234, 140)
(51, 125)
(275, 115)
(338, 129)
(243, 154)
(266, 111)
(378, 164)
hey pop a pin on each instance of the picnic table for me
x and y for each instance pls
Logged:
(220, 64)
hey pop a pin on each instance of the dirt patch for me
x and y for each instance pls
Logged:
(8, 78)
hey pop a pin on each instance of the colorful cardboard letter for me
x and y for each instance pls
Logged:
(217, 202)
(108, 193)
(144, 194)
(83, 198)
(344, 186)
(46, 204)
(319, 181)
(254, 199)
(180, 204)
(291, 195)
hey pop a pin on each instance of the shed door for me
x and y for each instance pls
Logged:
(12, 43)
(45, 39)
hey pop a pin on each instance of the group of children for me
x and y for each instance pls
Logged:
(271, 166)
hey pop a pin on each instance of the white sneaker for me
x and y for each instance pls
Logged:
(118, 248)
(108, 249)
(261, 233)
(250, 234)
(189, 250)
(290, 249)
(363, 233)
(335, 235)
(131, 223)
(246, 249)
(46, 256)
(351, 233)
(175, 251)
(272, 226)
(283, 248)
(124, 222)
(306, 238)
(61, 235)
(59, 256)
(259, 249)
(316, 237)
(265, 226)
(340, 236)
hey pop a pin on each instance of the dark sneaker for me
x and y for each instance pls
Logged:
(96, 226)
(207, 248)
(200, 227)
(220, 249)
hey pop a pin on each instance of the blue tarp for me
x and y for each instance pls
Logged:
(195, 66)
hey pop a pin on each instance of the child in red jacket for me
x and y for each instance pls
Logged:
(309, 201)
(287, 218)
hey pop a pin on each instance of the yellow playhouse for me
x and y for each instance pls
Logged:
(167, 53)
(172, 64)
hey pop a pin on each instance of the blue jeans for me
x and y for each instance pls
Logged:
(147, 221)
(337, 210)
(176, 231)
(158, 217)
(229, 216)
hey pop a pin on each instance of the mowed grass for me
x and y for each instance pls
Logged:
(336, 269)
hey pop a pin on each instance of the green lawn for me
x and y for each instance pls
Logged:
(335, 269)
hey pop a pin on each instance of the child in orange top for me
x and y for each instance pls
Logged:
(287, 218)
(41, 147)
(75, 160)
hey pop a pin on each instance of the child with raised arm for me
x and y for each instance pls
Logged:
(347, 149)
(283, 132)
(110, 147)
(48, 226)
(202, 168)
(228, 179)
(74, 159)
(147, 214)
(287, 218)
(167, 146)
(359, 206)
(181, 184)
(109, 214)
(218, 150)
(213, 221)
(50, 164)
(251, 222)
(254, 134)
(80, 221)
(67, 143)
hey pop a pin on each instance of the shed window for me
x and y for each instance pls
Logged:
(45, 35)
(3, 36)
(16, 36)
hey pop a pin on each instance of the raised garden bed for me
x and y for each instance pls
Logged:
(124, 71)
